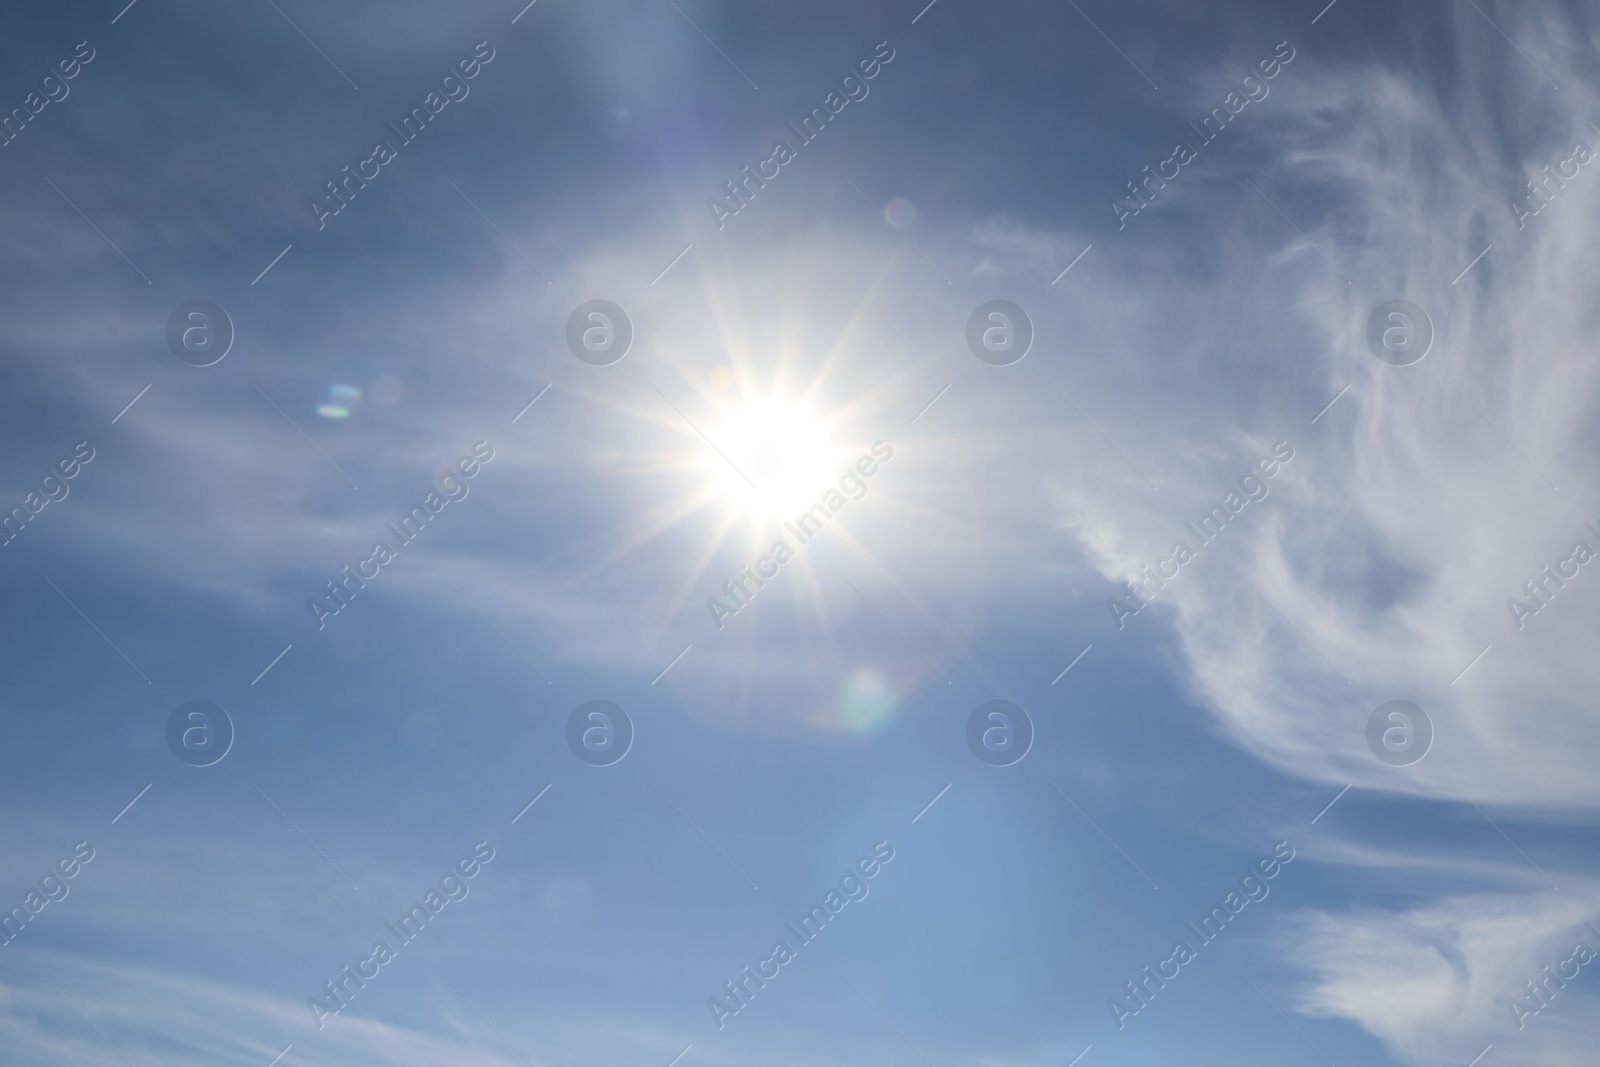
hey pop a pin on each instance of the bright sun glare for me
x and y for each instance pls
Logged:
(781, 449)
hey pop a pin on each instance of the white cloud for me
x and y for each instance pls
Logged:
(151, 1015)
(1433, 984)
(1394, 539)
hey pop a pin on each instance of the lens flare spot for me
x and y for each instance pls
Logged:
(342, 400)
(900, 212)
(867, 699)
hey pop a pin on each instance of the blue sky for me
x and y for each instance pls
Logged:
(1371, 153)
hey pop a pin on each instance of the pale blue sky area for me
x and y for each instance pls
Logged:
(399, 379)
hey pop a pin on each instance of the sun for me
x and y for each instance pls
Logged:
(773, 457)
